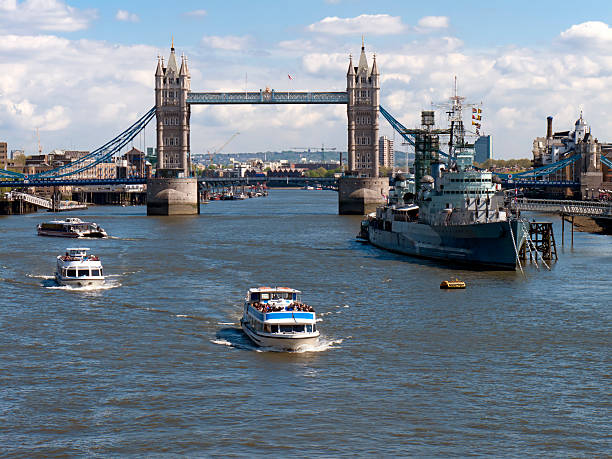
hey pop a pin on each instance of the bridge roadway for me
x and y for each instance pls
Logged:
(576, 208)
(518, 183)
(296, 181)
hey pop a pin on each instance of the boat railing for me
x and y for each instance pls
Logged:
(295, 306)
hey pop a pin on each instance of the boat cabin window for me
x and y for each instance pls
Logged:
(281, 296)
(71, 273)
(308, 328)
(265, 296)
(95, 272)
(255, 296)
(83, 273)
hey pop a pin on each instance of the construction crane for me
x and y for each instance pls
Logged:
(39, 146)
(309, 149)
(218, 150)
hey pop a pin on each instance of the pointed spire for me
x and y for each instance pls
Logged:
(172, 45)
(351, 69)
(172, 60)
(184, 71)
(363, 62)
(159, 71)
(375, 67)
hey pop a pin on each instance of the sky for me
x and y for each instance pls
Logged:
(82, 71)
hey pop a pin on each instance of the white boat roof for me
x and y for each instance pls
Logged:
(78, 249)
(273, 289)
(413, 207)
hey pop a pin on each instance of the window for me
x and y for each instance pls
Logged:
(298, 329)
(72, 273)
(286, 328)
(83, 273)
(308, 328)
(95, 272)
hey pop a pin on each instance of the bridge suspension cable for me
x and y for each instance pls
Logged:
(92, 159)
(401, 129)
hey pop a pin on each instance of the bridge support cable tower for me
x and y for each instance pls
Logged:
(173, 191)
(361, 190)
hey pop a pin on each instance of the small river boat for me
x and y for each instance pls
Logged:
(276, 317)
(71, 227)
(452, 284)
(79, 269)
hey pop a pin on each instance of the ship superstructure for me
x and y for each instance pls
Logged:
(457, 213)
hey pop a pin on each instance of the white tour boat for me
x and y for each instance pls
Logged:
(71, 227)
(79, 269)
(276, 317)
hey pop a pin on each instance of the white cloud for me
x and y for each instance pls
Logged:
(227, 42)
(196, 13)
(126, 16)
(588, 33)
(433, 22)
(68, 87)
(369, 24)
(44, 15)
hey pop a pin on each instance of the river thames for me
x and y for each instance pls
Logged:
(156, 364)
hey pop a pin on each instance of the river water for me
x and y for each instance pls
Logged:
(155, 364)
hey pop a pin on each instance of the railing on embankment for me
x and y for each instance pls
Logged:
(576, 208)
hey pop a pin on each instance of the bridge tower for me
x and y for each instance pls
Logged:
(173, 191)
(363, 90)
(362, 190)
(172, 114)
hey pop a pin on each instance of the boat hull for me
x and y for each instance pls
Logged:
(484, 245)
(81, 282)
(288, 342)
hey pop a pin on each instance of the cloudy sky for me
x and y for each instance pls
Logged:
(82, 71)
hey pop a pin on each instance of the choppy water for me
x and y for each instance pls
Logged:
(156, 364)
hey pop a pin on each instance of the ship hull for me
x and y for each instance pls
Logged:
(483, 245)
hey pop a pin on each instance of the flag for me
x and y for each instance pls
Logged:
(290, 77)
(476, 117)
(479, 111)
(473, 110)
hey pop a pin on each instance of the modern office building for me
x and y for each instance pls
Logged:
(483, 149)
(386, 156)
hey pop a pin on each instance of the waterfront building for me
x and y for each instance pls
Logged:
(589, 170)
(386, 154)
(483, 149)
(4, 155)
(16, 152)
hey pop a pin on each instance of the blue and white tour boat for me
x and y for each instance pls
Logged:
(276, 317)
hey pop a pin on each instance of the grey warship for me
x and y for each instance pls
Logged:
(456, 213)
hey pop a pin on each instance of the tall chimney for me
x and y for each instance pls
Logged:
(549, 132)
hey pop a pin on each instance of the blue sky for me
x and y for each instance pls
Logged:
(82, 71)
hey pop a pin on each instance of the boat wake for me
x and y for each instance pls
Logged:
(52, 285)
(235, 337)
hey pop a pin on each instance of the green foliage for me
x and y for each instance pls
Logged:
(522, 163)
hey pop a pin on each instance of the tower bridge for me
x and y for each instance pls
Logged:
(173, 191)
